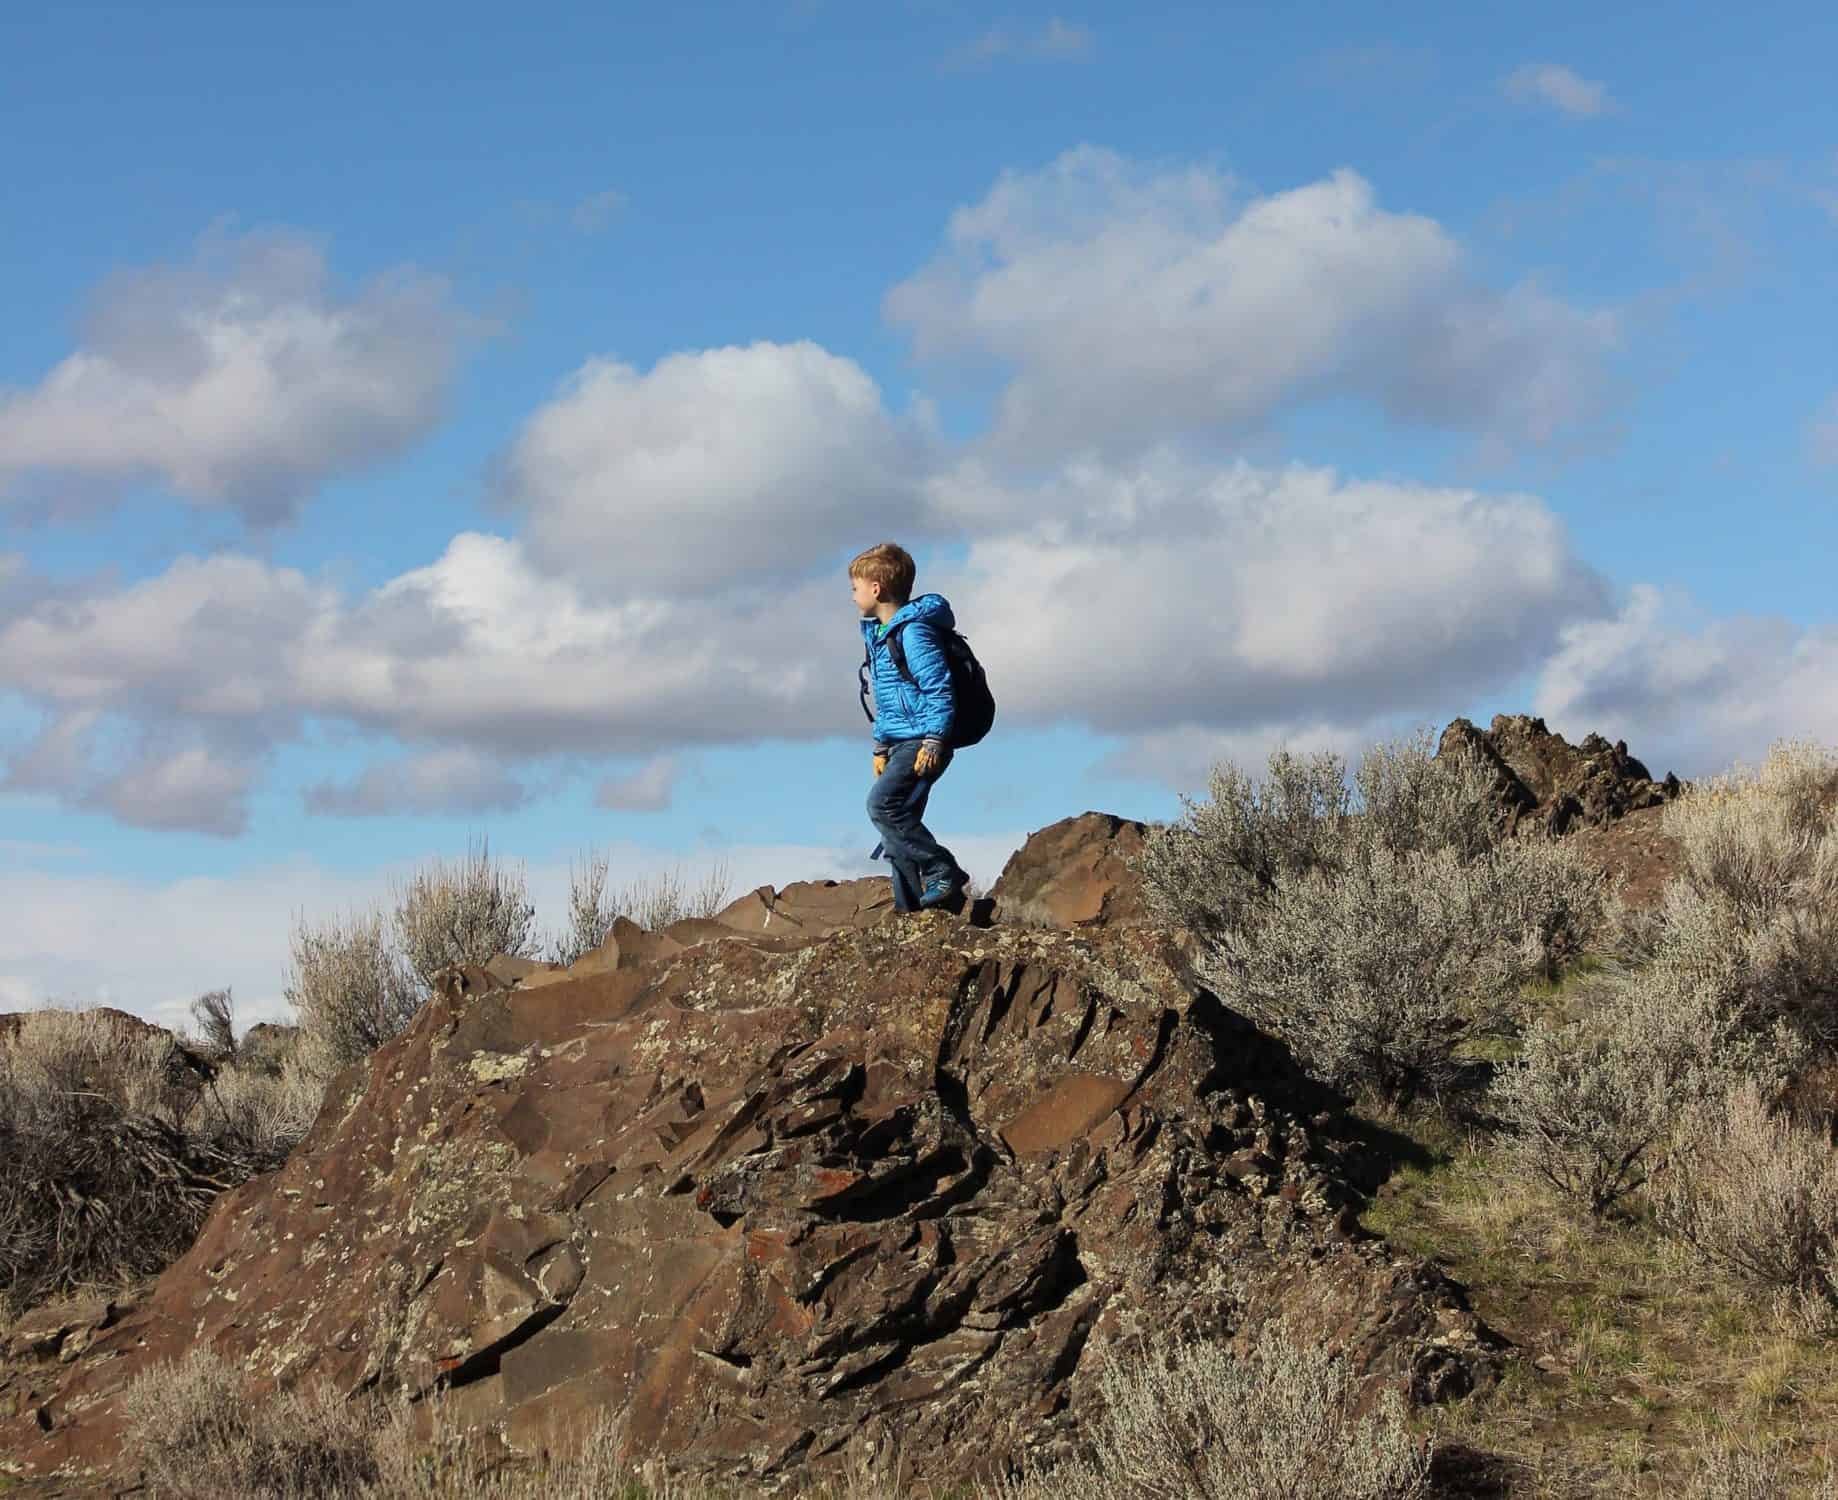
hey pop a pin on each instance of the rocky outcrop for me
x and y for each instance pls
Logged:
(1543, 782)
(778, 1199)
(1073, 873)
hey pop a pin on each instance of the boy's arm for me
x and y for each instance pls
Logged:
(925, 659)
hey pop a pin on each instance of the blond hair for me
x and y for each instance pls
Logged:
(891, 567)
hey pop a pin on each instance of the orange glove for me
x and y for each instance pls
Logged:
(931, 753)
(880, 760)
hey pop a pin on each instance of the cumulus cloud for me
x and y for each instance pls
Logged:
(1057, 41)
(1689, 690)
(155, 775)
(1821, 435)
(648, 789)
(245, 378)
(479, 650)
(1231, 598)
(1131, 305)
(1239, 597)
(711, 468)
(1557, 87)
(450, 780)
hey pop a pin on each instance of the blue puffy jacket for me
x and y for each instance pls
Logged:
(901, 710)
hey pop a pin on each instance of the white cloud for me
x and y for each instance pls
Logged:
(446, 780)
(1822, 434)
(1183, 757)
(648, 789)
(1057, 41)
(1133, 305)
(712, 468)
(160, 697)
(150, 775)
(243, 379)
(1238, 598)
(193, 787)
(1688, 690)
(1559, 88)
(1230, 597)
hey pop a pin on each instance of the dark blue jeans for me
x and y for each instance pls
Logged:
(896, 807)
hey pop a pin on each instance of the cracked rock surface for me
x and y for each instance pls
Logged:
(814, 1183)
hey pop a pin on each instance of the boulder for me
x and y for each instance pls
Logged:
(1073, 873)
(1543, 782)
(896, 1191)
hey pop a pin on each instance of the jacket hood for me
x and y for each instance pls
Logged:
(932, 608)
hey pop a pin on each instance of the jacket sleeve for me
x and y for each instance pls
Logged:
(925, 659)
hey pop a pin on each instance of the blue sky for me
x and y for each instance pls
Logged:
(419, 422)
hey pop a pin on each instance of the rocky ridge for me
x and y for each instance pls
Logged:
(803, 1183)
(1543, 782)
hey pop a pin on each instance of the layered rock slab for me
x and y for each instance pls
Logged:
(902, 1186)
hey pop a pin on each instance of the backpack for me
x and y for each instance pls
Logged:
(975, 704)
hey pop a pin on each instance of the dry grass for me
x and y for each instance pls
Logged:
(1637, 1373)
(1182, 1421)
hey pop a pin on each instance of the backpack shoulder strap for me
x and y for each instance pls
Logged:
(898, 652)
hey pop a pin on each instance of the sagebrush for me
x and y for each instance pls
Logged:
(1754, 1192)
(1379, 928)
(1733, 984)
(350, 987)
(653, 902)
(463, 912)
(116, 1140)
(1193, 1421)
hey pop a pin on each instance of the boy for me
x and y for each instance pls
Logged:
(912, 724)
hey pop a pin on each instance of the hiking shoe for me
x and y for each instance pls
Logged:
(940, 893)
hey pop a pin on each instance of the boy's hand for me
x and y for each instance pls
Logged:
(931, 752)
(880, 760)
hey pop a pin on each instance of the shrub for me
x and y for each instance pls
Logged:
(1378, 934)
(1585, 1109)
(590, 915)
(1204, 871)
(1754, 1192)
(653, 903)
(1752, 1471)
(1279, 1423)
(200, 1437)
(1737, 971)
(197, 1434)
(463, 913)
(657, 901)
(116, 1143)
(215, 1013)
(349, 986)
(1753, 913)
(272, 1106)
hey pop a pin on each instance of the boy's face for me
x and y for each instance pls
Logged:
(867, 594)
